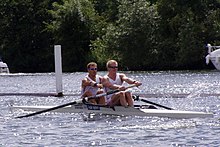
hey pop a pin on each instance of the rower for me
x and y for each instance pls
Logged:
(91, 85)
(114, 80)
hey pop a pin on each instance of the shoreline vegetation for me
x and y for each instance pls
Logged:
(142, 35)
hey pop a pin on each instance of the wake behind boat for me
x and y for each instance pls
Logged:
(137, 110)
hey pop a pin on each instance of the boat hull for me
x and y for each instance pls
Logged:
(119, 110)
(213, 56)
(3, 67)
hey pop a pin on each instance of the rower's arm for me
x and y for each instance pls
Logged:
(85, 82)
(106, 83)
(126, 79)
(129, 80)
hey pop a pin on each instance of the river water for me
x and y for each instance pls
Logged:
(183, 90)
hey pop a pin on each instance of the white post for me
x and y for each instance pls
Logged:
(209, 48)
(58, 69)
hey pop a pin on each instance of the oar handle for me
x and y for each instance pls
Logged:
(131, 86)
(117, 90)
(109, 92)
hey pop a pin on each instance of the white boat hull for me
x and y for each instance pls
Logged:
(213, 56)
(3, 67)
(119, 110)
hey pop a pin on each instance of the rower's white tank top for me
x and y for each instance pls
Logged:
(117, 81)
(92, 89)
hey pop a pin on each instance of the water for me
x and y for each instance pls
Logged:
(57, 129)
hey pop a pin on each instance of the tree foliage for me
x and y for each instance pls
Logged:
(185, 27)
(140, 34)
(132, 37)
(23, 36)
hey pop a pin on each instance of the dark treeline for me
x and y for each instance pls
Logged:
(140, 34)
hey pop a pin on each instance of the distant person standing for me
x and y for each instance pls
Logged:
(91, 84)
(114, 80)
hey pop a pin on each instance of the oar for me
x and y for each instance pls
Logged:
(73, 103)
(149, 102)
(47, 110)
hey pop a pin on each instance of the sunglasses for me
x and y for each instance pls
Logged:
(113, 67)
(92, 68)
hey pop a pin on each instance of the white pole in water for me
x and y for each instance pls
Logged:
(58, 69)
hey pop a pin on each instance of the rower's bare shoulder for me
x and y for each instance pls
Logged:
(105, 82)
(84, 80)
(104, 79)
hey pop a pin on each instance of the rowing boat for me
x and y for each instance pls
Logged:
(137, 110)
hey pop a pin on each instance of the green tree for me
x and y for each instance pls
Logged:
(132, 40)
(108, 9)
(137, 34)
(24, 43)
(185, 27)
(74, 25)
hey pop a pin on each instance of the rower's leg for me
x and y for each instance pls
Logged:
(123, 99)
(101, 100)
(129, 99)
(118, 99)
(87, 94)
(93, 101)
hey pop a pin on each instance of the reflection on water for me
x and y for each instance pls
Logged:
(183, 90)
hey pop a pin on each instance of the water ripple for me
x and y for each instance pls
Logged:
(55, 129)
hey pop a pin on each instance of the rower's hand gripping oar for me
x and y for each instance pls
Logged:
(108, 93)
(149, 102)
(73, 103)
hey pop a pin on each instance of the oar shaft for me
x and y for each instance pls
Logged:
(47, 110)
(146, 101)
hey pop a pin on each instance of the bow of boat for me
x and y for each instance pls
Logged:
(176, 113)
